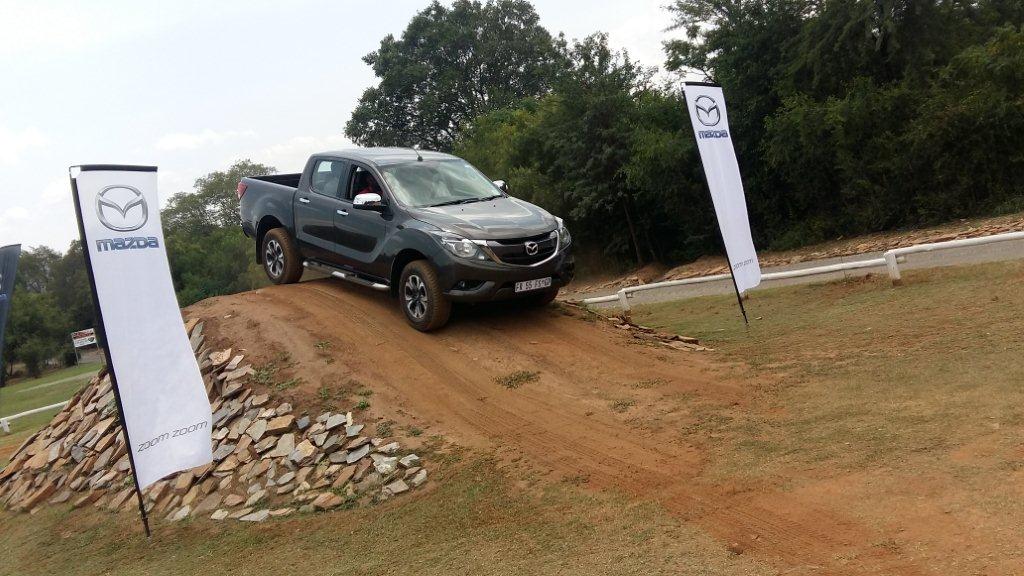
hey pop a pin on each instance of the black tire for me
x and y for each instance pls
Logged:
(282, 260)
(425, 306)
(542, 299)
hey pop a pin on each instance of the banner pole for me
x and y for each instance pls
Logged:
(728, 261)
(101, 335)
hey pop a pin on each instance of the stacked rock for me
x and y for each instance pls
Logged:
(268, 459)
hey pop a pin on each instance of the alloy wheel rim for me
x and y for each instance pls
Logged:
(275, 258)
(415, 297)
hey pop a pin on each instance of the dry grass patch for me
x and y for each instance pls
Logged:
(472, 521)
(516, 379)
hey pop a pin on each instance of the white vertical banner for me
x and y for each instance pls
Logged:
(162, 396)
(711, 127)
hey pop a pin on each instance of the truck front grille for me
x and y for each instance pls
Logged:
(516, 250)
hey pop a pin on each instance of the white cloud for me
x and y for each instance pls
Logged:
(291, 154)
(197, 140)
(56, 192)
(14, 143)
(14, 214)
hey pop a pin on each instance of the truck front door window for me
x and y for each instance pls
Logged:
(363, 182)
(326, 178)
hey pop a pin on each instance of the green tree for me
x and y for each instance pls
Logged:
(36, 269)
(678, 220)
(450, 66)
(36, 331)
(967, 141)
(742, 45)
(567, 151)
(70, 288)
(214, 202)
(208, 253)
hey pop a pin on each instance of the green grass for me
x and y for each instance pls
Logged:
(858, 373)
(25, 395)
(471, 519)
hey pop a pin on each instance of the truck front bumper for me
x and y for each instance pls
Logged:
(484, 280)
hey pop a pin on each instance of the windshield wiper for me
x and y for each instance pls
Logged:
(453, 202)
(465, 201)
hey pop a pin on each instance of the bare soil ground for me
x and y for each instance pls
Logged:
(604, 411)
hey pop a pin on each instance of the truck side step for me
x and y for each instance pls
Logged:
(344, 275)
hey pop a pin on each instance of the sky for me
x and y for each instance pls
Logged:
(192, 86)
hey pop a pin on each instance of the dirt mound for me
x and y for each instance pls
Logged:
(557, 394)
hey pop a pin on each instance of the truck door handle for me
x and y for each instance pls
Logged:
(342, 213)
(304, 200)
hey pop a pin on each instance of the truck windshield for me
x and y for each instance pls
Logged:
(438, 183)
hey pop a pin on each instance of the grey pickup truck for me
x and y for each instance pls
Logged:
(426, 226)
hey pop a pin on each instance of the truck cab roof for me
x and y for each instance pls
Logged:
(386, 156)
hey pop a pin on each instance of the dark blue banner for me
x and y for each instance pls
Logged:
(8, 267)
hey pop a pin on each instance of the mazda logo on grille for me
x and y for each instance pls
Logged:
(531, 248)
(122, 208)
(707, 111)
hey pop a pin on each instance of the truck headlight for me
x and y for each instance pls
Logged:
(563, 233)
(459, 246)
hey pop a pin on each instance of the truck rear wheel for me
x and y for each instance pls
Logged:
(282, 260)
(425, 306)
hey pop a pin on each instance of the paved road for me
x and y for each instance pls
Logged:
(1010, 250)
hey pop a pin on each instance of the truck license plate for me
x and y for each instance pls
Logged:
(527, 285)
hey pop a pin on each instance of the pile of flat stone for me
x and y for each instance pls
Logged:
(268, 458)
(648, 334)
(656, 337)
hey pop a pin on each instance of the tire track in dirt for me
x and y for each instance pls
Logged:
(560, 424)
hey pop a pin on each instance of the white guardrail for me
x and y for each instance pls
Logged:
(891, 259)
(5, 421)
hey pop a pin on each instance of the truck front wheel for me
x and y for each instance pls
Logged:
(282, 260)
(425, 306)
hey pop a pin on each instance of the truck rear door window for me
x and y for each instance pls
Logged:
(327, 178)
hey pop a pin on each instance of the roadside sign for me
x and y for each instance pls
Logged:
(83, 338)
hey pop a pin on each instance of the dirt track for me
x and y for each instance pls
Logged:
(560, 425)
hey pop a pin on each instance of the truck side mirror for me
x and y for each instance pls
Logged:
(502, 185)
(368, 201)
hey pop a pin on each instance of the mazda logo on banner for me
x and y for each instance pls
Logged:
(707, 111)
(122, 208)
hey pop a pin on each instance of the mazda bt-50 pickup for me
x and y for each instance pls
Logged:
(428, 227)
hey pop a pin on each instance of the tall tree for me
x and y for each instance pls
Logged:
(450, 66)
(573, 148)
(70, 288)
(742, 45)
(208, 253)
(36, 269)
(36, 332)
(213, 204)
